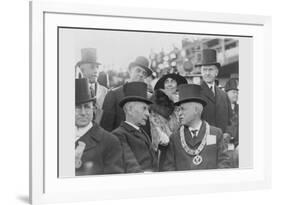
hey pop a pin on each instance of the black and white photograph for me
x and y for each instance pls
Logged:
(151, 101)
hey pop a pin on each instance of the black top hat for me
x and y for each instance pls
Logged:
(190, 93)
(135, 91)
(178, 78)
(88, 55)
(209, 57)
(82, 91)
(142, 62)
(231, 84)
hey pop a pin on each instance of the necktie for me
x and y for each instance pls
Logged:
(194, 132)
(92, 89)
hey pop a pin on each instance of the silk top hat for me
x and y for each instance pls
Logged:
(82, 91)
(190, 93)
(209, 57)
(231, 84)
(178, 78)
(88, 55)
(143, 63)
(135, 91)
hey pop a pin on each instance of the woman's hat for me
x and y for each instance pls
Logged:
(178, 78)
(143, 62)
(209, 57)
(190, 93)
(82, 91)
(162, 104)
(134, 91)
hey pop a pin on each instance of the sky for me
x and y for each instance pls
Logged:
(119, 48)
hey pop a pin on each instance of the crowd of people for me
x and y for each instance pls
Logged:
(175, 126)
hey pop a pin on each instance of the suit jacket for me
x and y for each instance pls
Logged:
(233, 128)
(138, 154)
(102, 154)
(214, 153)
(217, 112)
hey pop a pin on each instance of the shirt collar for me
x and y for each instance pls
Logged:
(211, 84)
(134, 126)
(197, 128)
(82, 131)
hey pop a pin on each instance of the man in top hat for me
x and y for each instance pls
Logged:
(231, 88)
(196, 144)
(217, 112)
(89, 68)
(138, 154)
(113, 115)
(96, 150)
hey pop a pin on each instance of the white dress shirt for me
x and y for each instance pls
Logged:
(81, 131)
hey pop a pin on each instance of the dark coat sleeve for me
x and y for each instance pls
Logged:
(169, 160)
(113, 156)
(109, 111)
(130, 162)
(224, 160)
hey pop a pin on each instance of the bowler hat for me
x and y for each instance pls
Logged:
(178, 78)
(190, 93)
(143, 62)
(88, 55)
(134, 91)
(231, 84)
(209, 57)
(82, 91)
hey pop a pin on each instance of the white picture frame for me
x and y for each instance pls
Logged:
(46, 187)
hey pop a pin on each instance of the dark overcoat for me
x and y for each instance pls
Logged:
(138, 154)
(214, 154)
(102, 154)
(217, 112)
(113, 114)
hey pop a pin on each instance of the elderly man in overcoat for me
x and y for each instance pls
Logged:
(96, 150)
(113, 114)
(196, 144)
(217, 111)
(138, 153)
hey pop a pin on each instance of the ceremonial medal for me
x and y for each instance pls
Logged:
(78, 154)
(197, 160)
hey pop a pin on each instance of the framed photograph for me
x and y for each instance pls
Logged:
(93, 68)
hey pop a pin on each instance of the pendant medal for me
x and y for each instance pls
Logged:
(197, 160)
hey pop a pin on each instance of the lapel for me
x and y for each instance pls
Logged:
(91, 138)
(135, 133)
(197, 140)
(206, 91)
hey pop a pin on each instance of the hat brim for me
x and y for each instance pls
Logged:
(226, 90)
(86, 101)
(148, 70)
(134, 98)
(213, 63)
(199, 100)
(178, 78)
(85, 62)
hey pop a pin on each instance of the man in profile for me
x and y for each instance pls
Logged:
(196, 144)
(138, 153)
(96, 150)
